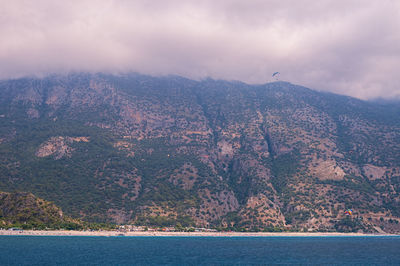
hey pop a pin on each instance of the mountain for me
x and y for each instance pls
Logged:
(167, 150)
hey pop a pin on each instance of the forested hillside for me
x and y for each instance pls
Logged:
(168, 150)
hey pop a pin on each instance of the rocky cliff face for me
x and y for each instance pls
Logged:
(149, 150)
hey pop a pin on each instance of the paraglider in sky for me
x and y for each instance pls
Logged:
(276, 75)
(349, 212)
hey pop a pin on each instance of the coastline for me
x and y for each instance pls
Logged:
(166, 234)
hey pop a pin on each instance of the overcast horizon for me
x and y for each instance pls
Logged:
(346, 47)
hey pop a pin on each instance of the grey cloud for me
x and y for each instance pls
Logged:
(349, 47)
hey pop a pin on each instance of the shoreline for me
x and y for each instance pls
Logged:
(186, 234)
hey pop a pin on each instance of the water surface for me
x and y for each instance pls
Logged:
(77, 250)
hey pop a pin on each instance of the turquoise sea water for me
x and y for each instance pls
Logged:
(45, 250)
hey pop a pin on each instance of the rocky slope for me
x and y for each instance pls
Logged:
(149, 150)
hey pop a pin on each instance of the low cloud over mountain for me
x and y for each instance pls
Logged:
(347, 47)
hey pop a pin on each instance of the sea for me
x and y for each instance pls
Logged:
(78, 250)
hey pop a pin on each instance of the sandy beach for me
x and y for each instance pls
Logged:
(157, 233)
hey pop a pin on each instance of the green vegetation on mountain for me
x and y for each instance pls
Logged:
(177, 152)
(25, 211)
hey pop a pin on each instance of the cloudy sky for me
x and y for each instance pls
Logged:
(345, 46)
